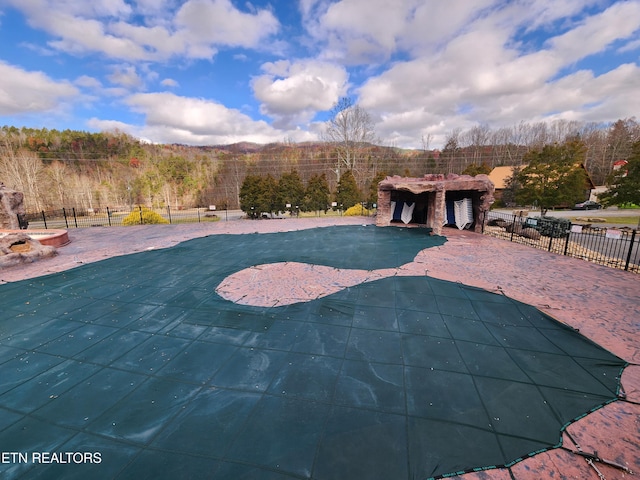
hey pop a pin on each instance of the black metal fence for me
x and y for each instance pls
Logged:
(112, 217)
(612, 247)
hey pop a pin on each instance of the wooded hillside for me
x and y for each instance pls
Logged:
(84, 170)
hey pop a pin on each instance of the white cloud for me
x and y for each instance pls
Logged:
(125, 76)
(481, 75)
(116, 92)
(308, 7)
(418, 66)
(152, 42)
(106, 8)
(78, 36)
(293, 92)
(613, 93)
(95, 8)
(22, 91)
(597, 32)
(362, 31)
(542, 14)
(441, 108)
(109, 125)
(194, 30)
(86, 81)
(630, 46)
(174, 119)
(219, 22)
(169, 82)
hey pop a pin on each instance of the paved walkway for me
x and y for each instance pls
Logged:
(602, 303)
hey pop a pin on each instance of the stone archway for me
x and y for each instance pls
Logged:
(430, 194)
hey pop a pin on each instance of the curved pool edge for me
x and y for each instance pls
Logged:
(51, 237)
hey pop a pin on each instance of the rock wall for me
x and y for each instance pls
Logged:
(11, 206)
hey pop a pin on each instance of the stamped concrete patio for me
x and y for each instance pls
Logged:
(603, 304)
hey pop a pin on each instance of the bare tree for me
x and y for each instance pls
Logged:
(451, 151)
(562, 130)
(350, 130)
(58, 175)
(501, 142)
(477, 138)
(426, 142)
(596, 162)
(23, 171)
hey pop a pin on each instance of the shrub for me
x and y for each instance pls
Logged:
(356, 210)
(148, 217)
(550, 226)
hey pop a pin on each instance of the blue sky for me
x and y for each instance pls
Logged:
(206, 72)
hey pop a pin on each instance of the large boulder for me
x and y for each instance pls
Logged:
(531, 233)
(514, 228)
(11, 208)
(522, 230)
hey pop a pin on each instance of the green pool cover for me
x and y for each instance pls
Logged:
(133, 367)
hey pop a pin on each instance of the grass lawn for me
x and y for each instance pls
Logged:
(627, 219)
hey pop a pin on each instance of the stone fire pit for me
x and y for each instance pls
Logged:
(16, 248)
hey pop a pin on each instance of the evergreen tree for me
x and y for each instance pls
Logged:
(553, 176)
(474, 169)
(250, 196)
(317, 194)
(270, 196)
(291, 190)
(373, 188)
(347, 194)
(512, 185)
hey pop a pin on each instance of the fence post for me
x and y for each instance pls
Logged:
(169, 212)
(633, 238)
(140, 207)
(513, 228)
(198, 210)
(64, 212)
(75, 219)
(23, 224)
(566, 242)
(109, 216)
(553, 231)
(44, 219)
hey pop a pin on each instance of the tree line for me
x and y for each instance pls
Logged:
(266, 195)
(85, 170)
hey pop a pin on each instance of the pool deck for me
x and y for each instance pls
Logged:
(602, 303)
